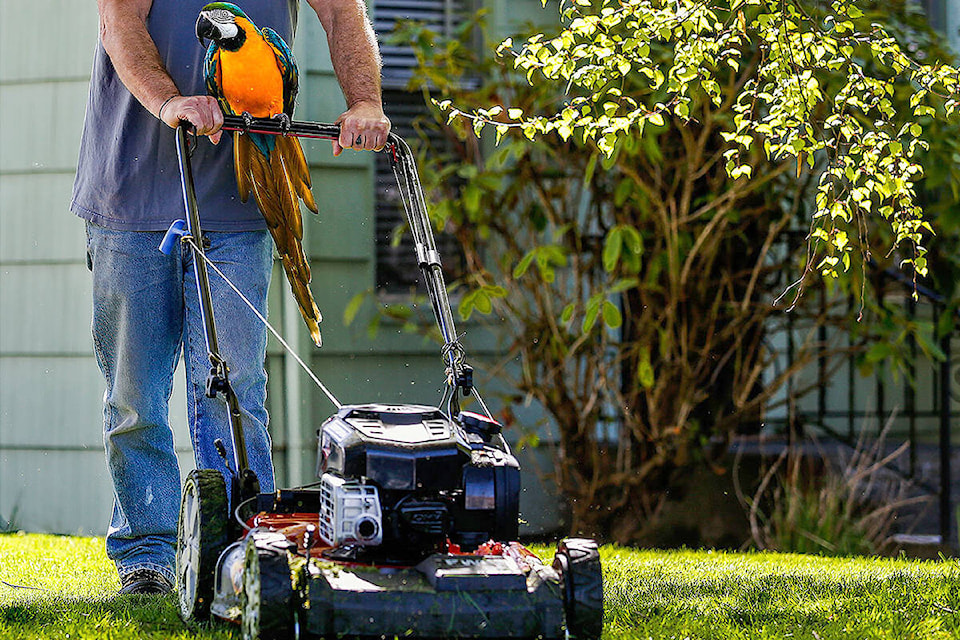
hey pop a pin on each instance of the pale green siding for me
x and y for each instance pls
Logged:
(52, 471)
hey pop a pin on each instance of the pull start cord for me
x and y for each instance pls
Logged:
(191, 241)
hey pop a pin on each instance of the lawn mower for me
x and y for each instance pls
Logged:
(411, 526)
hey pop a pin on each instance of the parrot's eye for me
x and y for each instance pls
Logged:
(221, 15)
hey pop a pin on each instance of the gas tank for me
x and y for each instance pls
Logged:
(398, 447)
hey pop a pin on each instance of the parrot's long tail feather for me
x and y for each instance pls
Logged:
(293, 152)
(278, 182)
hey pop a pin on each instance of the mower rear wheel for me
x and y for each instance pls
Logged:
(578, 563)
(268, 600)
(202, 535)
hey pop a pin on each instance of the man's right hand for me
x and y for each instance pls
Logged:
(203, 112)
(124, 35)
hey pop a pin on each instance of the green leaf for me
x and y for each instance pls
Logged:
(591, 167)
(495, 291)
(633, 240)
(483, 303)
(611, 315)
(612, 247)
(624, 284)
(927, 343)
(622, 192)
(467, 304)
(374, 327)
(524, 264)
(947, 323)
(878, 352)
(471, 199)
(350, 311)
(645, 374)
(590, 317)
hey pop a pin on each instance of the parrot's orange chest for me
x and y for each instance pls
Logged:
(250, 77)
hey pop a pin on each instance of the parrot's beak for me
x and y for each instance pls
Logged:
(206, 30)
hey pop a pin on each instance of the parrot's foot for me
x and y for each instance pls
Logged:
(284, 121)
(247, 121)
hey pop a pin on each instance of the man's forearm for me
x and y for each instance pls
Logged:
(123, 33)
(353, 49)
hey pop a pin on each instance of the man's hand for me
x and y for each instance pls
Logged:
(356, 61)
(362, 127)
(203, 112)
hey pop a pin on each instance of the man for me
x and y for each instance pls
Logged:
(147, 77)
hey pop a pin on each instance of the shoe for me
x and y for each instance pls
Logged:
(144, 582)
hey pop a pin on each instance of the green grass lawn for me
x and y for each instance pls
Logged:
(668, 595)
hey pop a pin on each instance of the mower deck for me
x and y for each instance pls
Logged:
(502, 591)
(441, 597)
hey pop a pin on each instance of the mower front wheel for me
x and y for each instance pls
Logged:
(202, 535)
(578, 563)
(269, 601)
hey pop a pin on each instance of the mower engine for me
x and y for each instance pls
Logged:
(410, 531)
(401, 481)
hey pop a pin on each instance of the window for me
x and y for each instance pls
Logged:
(396, 269)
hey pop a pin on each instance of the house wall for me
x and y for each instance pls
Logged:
(52, 471)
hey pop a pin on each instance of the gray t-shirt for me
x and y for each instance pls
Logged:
(127, 175)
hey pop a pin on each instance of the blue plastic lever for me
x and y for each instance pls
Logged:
(177, 230)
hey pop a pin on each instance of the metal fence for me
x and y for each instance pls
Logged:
(919, 404)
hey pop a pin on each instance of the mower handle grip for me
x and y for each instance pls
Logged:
(272, 126)
(297, 128)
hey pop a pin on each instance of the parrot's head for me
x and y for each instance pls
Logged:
(218, 22)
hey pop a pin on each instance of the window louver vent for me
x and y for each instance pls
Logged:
(396, 269)
(442, 16)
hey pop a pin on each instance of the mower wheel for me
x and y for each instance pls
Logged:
(268, 601)
(578, 563)
(202, 535)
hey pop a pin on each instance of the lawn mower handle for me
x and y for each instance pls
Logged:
(297, 129)
(246, 484)
(272, 126)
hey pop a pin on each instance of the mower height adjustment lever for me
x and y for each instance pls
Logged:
(178, 231)
(464, 379)
(217, 378)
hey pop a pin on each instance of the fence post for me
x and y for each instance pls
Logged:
(946, 512)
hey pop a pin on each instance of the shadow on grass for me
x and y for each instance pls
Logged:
(95, 619)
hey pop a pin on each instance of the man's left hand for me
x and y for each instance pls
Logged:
(363, 127)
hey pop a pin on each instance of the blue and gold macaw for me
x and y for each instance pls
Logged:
(251, 71)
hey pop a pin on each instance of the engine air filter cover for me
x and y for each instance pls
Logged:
(398, 447)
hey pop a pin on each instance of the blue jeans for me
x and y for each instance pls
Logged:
(145, 309)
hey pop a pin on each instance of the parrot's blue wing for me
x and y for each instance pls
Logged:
(288, 68)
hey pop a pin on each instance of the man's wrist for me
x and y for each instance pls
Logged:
(370, 102)
(165, 102)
